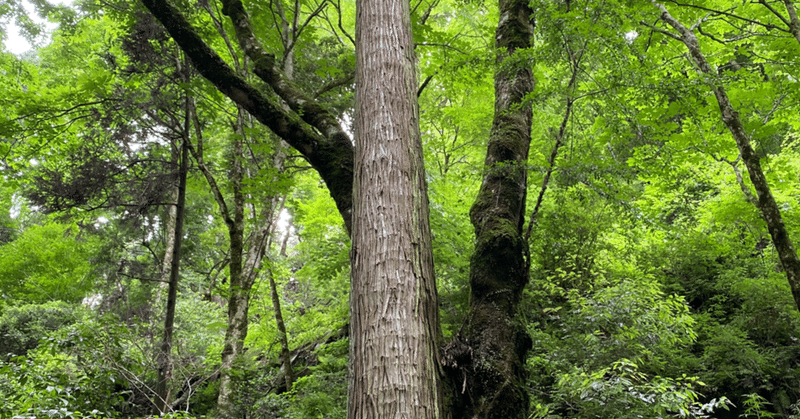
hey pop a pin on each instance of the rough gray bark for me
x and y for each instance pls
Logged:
(394, 320)
(486, 359)
(764, 199)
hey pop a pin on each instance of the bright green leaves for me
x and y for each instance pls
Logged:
(48, 101)
(747, 66)
(613, 352)
(23, 326)
(323, 240)
(47, 263)
(644, 206)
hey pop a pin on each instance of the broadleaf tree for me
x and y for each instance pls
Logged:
(640, 195)
(316, 134)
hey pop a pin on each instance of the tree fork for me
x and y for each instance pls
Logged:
(330, 153)
(394, 326)
(165, 355)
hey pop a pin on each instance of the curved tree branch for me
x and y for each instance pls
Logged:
(331, 153)
(265, 68)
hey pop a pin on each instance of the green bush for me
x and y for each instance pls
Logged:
(615, 353)
(22, 327)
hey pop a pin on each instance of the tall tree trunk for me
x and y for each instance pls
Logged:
(165, 357)
(394, 320)
(486, 359)
(794, 22)
(238, 292)
(286, 358)
(765, 201)
(283, 337)
(243, 265)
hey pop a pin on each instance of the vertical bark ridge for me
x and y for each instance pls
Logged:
(394, 324)
(486, 359)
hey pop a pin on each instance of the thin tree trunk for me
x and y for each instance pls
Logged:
(239, 306)
(486, 360)
(330, 153)
(287, 34)
(794, 22)
(169, 250)
(243, 266)
(238, 292)
(165, 358)
(283, 337)
(239, 284)
(394, 319)
(288, 373)
(765, 201)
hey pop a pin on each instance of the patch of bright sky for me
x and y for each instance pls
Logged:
(15, 43)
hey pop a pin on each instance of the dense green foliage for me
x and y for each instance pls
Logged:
(656, 290)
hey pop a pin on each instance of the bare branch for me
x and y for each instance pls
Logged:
(434, 44)
(729, 14)
(341, 28)
(559, 137)
(299, 31)
(347, 78)
(425, 83)
(775, 12)
(661, 31)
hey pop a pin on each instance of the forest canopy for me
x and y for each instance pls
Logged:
(370, 208)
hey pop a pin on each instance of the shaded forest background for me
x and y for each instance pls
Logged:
(655, 288)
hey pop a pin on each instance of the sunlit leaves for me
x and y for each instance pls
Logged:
(47, 263)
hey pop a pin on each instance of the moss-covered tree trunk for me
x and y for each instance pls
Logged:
(394, 319)
(486, 359)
